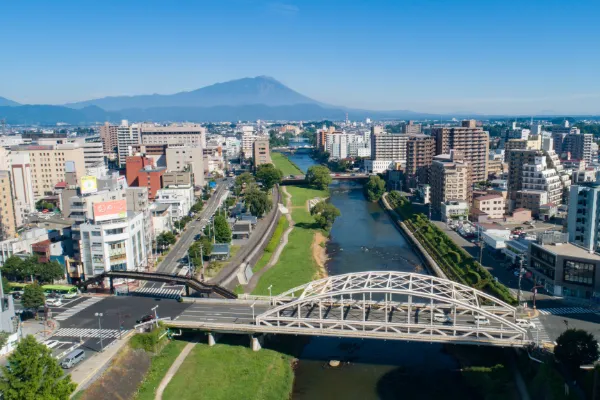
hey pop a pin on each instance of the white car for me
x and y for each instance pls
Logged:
(523, 323)
(70, 295)
(51, 343)
(54, 302)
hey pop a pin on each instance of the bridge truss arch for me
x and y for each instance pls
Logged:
(395, 305)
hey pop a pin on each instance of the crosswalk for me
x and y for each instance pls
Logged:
(77, 308)
(160, 292)
(567, 310)
(539, 333)
(89, 333)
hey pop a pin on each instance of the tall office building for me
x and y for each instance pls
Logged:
(127, 137)
(8, 222)
(191, 134)
(450, 179)
(420, 150)
(583, 221)
(49, 165)
(109, 134)
(470, 140)
(577, 146)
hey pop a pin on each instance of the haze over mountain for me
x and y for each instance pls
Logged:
(4, 102)
(259, 90)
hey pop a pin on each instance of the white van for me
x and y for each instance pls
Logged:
(72, 359)
(480, 320)
(441, 317)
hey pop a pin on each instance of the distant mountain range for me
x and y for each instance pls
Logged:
(261, 97)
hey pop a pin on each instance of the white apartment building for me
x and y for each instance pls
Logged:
(127, 137)
(454, 210)
(378, 166)
(388, 146)
(541, 185)
(337, 146)
(113, 241)
(181, 199)
(162, 221)
(247, 143)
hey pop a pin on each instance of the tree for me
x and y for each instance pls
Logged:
(33, 296)
(222, 229)
(242, 181)
(13, 266)
(197, 207)
(34, 374)
(318, 176)
(257, 201)
(48, 272)
(374, 188)
(325, 214)
(5, 287)
(44, 205)
(165, 239)
(268, 175)
(576, 347)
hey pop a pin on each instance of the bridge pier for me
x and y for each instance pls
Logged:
(256, 342)
(212, 338)
(111, 284)
(187, 291)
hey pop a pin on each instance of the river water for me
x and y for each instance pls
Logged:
(364, 239)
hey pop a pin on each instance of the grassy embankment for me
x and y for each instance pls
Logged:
(296, 264)
(232, 372)
(282, 225)
(159, 365)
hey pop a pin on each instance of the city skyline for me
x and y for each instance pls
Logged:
(427, 57)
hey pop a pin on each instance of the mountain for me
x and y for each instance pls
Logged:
(4, 102)
(50, 115)
(247, 91)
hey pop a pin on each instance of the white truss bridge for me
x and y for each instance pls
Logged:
(380, 305)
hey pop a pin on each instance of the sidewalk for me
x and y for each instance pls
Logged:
(93, 367)
(173, 369)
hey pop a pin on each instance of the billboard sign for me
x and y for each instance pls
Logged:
(110, 210)
(89, 184)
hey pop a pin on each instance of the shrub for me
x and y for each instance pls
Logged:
(148, 341)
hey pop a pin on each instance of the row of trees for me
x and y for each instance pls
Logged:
(221, 233)
(30, 268)
(255, 199)
(374, 188)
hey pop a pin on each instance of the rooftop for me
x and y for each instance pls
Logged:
(568, 249)
(489, 197)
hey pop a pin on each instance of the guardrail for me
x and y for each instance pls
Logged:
(152, 321)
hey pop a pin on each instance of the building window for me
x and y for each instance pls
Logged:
(96, 233)
(579, 272)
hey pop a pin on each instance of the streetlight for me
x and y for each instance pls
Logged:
(155, 314)
(252, 307)
(99, 315)
(270, 295)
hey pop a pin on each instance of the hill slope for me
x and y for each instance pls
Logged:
(4, 102)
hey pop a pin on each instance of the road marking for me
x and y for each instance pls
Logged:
(77, 308)
(89, 333)
(567, 310)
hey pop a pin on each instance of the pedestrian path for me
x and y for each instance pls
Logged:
(160, 292)
(541, 335)
(567, 310)
(77, 308)
(89, 333)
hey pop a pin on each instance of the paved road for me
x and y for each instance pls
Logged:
(171, 261)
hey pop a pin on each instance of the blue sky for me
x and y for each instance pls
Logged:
(487, 56)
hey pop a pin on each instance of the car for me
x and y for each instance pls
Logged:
(55, 302)
(441, 317)
(480, 320)
(51, 343)
(145, 318)
(524, 323)
(70, 295)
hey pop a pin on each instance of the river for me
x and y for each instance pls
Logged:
(362, 239)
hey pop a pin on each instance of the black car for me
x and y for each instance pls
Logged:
(145, 318)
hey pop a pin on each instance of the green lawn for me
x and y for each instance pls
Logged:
(296, 265)
(225, 372)
(301, 194)
(282, 225)
(159, 366)
(285, 165)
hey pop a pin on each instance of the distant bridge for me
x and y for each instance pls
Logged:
(378, 305)
(189, 283)
(347, 176)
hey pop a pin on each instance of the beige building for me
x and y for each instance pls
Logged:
(184, 157)
(8, 223)
(191, 134)
(260, 152)
(450, 179)
(49, 164)
(108, 134)
(176, 178)
(22, 182)
(385, 146)
(492, 204)
(469, 139)
(420, 150)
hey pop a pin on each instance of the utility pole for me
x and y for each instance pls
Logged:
(520, 275)
(202, 260)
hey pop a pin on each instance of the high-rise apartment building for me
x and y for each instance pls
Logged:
(260, 152)
(127, 137)
(574, 146)
(22, 181)
(337, 145)
(247, 143)
(411, 128)
(185, 157)
(470, 140)
(450, 179)
(8, 222)
(109, 134)
(385, 146)
(541, 185)
(49, 165)
(420, 150)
